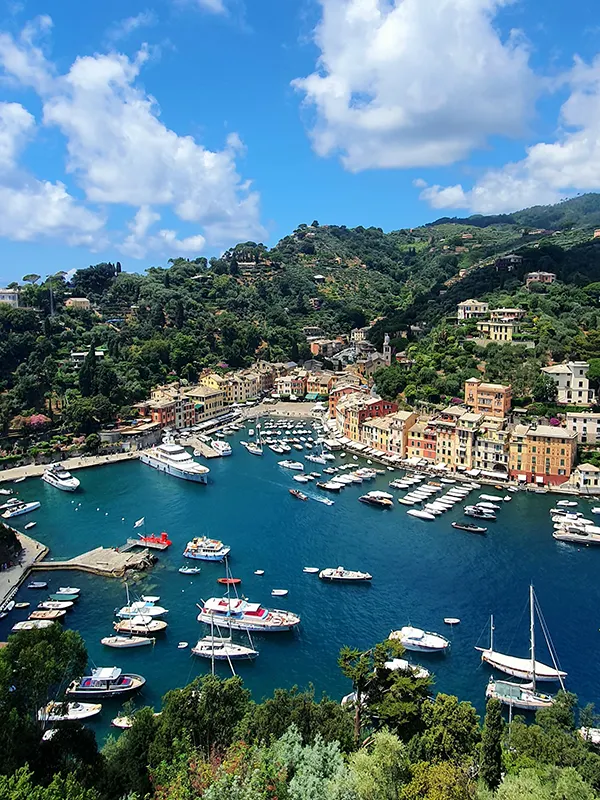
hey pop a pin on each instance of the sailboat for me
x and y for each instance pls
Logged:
(256, 447)
(524, 695)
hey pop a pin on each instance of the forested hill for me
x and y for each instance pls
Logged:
(253, 302)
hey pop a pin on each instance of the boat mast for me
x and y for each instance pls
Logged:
(532, 633)
(212, 639)
(491, 632)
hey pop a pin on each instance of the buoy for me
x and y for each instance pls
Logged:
(106, 513)
(97, 509)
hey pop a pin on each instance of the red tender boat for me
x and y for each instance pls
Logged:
(157, 542)
(229, 581)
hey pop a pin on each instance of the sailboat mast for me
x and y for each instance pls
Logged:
(491, 632)
(532, 633)
(212, 639)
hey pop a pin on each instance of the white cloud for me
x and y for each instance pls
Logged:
(123, 28)
(121, 153)
(404, 83)
(550, 170)
(214, 6)
(16, 124)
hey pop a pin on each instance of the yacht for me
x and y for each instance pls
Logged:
(221, 447)
(60, 478)
(419, 640)
(205, 549)
(295, 465)
(375, 499)
(341, 575)
(518, 695)
(140, 626)
(145, 607)
(415, 512)
(31, 624)
(126, 641)
(14, 508)
(105, 682)
(242, 615)
(175, 460)
(61, 712)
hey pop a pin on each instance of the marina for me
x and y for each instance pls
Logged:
(423, 573)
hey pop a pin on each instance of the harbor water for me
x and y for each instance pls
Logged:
(422, 572)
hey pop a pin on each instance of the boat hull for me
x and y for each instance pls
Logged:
(220, 556)
(125, 642)
(255, 626)
(169, 469)
(521, 667)
(102, 692)
(64, 486)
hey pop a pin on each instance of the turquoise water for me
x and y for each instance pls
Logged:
(422, 572)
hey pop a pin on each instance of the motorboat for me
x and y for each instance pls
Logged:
(298, 494)
(311, 570)
(124, 642)
(56, 605)
(106, 682)
(341, 575)
(60, 597)
(140, 625)
(22, 605)
(325, 500)
(451, 621)
(375, 499)
(30, 525)
(31, 624)
(68, 712)
(492, 497)
(60, 478)
(205, 549)
(190, 570)
(488, 506)
(415, 512)
(174, 460)
(53, 615)
(240, 614)
(420, 640)
(123, 723)
(302, 478)
(6, 491)
(153, 541)
(469, 527)
(478, 513)
(279, 592)
(146, 607)
(402, 665)
(18, 508)
(229, 581)
(68, 590)
(37, 585)
(567, 503)
(294, 465)
(259, 572)
(221, 447)
(330, 486)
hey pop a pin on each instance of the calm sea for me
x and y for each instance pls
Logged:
(422, 572)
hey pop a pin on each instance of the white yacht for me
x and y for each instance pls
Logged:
(59, 712)
(222, 648)
(238, 614)
(60, 478)
(419, 640)
(147, 606)
(15, 507)
(175, 460)
(221, 447)
(296, 465)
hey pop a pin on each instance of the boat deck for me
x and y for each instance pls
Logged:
(107, 561)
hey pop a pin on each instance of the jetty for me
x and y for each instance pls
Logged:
(31, 553)
(80, 462)
(205, 450)
(109, 562)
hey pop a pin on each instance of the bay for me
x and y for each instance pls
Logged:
(422, 572)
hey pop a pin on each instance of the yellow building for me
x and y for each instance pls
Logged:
(496, 331)
(208, 402)
(541, 454)
(376, 433)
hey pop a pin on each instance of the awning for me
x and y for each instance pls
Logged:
(539, 478)
(522, 478)
(501, 476)
(473, 472)
(312, 396)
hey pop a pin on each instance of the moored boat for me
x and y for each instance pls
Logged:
(229, 581)
(124, 642)
(147, 606)
(63, 712)
(37, 585)
(31, 624)
(52, 614)
(518, 695)
(142, 625)
(106, 682)
(56, 605)
(377, 499)
(175, 460)
(240, 614)
(154, 542)
(60, 478)
(18, 508)
(190, 570)
(339, 574)
(222, 649)
(415, 512)
(420, 640)
(298, 466)
(469, 527)
(205, 549)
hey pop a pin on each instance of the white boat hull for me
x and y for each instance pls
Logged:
(64, 486)
(520, 667)
(169, 469)
(246, 625)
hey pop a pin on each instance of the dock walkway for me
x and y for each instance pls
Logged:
(81, 462)
(204, 449)
(106, 561)
(12, 578)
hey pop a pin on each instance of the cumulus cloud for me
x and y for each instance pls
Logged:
(405, 83)
(127, 26)
(120, 153)
(550, 169)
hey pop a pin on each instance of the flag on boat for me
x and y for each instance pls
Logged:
(140, 522)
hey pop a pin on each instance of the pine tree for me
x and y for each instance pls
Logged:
(490, 769)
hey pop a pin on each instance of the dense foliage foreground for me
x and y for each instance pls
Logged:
(212, 741)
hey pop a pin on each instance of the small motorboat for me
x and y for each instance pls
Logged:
(419, 640)
(325, 500)
(451, 620)
(48, 614)
(20, 480)
(182, 645)
(30, 525)
(56, 605)
(37, 585)
(68, 590)
(259, 572)
(60, 712)
(310, 570)
(22, 605)
(377, 499)
(123, 723)
(279, 592)
(31, 624)
(298, 494)
(467, 526)
(567, 503)
(127, 641)
(344, 575)
(106, 682)
(415, 512)
(64, 597)
(140, 626)
(294, 465)
(302, 478)
(190, 570)
(229, 581)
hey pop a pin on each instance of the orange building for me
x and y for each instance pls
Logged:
(541, 454)
(491, 399)
(422, 441)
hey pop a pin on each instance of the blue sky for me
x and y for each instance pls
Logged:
(138, 131)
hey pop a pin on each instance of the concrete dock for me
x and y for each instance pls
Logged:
(81, 462)
(11, 579)
(106, 561)
(204, 449)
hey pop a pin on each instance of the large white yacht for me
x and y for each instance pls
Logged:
(175, 460)
(60, 478)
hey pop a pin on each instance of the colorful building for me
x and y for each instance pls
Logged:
(492, 399)
(541, 454)
(401, 423)
(422, 441)
(496, 331)
(585, 425)
(471, 309)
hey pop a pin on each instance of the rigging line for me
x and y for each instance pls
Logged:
(546, 631)
(518, 626)
(484, 630)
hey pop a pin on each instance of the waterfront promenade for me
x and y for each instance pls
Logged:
(11, 579)
(81, 462)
